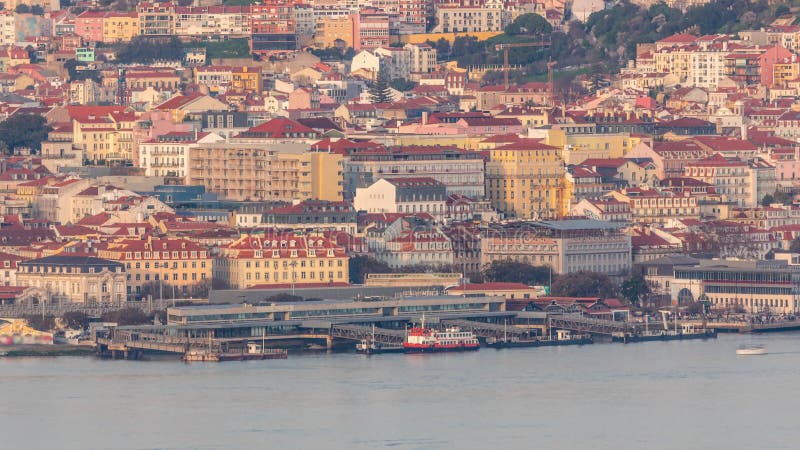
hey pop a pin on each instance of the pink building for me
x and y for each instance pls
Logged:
(304, 98)
(89, 26)
(787, 165)
(370, 29)
(155, 123)
(490, 125)
(767, 62)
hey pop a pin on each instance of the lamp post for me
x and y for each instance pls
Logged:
(293, 265)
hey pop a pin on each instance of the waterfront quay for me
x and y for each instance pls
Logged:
(329, 324)
(339, 324)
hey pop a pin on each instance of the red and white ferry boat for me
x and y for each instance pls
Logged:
(426, 340)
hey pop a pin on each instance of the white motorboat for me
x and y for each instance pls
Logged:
(751, 351)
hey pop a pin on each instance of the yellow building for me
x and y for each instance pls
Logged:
(259, 171)
(579, 147)
(103, 132)
(461, 141)
(280, 259)
(784, 72)
(162, 266)
(511, 291)
(120, 27)
(29, 191)
(525, 180)
(329, 29)
(246, 79)
(17, 331)
(529, 117)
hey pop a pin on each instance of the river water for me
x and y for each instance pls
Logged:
(655, 395)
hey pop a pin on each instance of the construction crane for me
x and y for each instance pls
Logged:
(504, 48)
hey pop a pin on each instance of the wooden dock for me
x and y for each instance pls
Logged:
(746, 327)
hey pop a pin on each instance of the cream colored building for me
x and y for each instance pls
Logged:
(255, 171)
(423, 57)
(329, 29)
(280, 259)
(77, 279)
(454, 18)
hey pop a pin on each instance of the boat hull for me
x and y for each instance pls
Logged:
(379, 350)
(539, 343)
(751, 352)
(440, 349)
(230, 356)
(711, 334)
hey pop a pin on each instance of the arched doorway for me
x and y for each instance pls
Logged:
(685, 297)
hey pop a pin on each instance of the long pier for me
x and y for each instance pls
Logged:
(489, 330)
(378, 335)
(131, 341)
(582, 324)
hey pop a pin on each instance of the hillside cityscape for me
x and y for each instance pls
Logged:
(406, 224)
(168, 164)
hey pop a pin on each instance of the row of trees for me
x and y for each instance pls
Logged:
(22, 8)
(23, 131)
(145, 50)
(78, 320)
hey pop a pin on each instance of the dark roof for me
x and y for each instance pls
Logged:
(578, 224)
(74, 261)
(672, 260)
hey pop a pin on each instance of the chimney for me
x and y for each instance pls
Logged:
(424, 117)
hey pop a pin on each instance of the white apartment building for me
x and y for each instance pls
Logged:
(469, 16)
(168, 155)
(423, 57)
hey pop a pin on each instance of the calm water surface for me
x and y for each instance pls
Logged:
(656, 395)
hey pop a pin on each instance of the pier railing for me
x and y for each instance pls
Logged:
(488, 329)
(577, 322)
(358, 333)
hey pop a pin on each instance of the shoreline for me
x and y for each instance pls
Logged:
(56, 350)
(47, 351)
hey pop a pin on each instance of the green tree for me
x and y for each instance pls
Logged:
(402, 85)
(635, 289)
(40, 322)
(794, 247)
(529, 24)
(380, 91)
(127, 316)
(517, 272)
(785, 198)
(145, 50)
(22, 8)
(360, 266)
(767, 200)
(76, 320)
(442, 47)
(283, 297)
(37, 10)
(76, 71)
(583, 284)
(24, 131)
